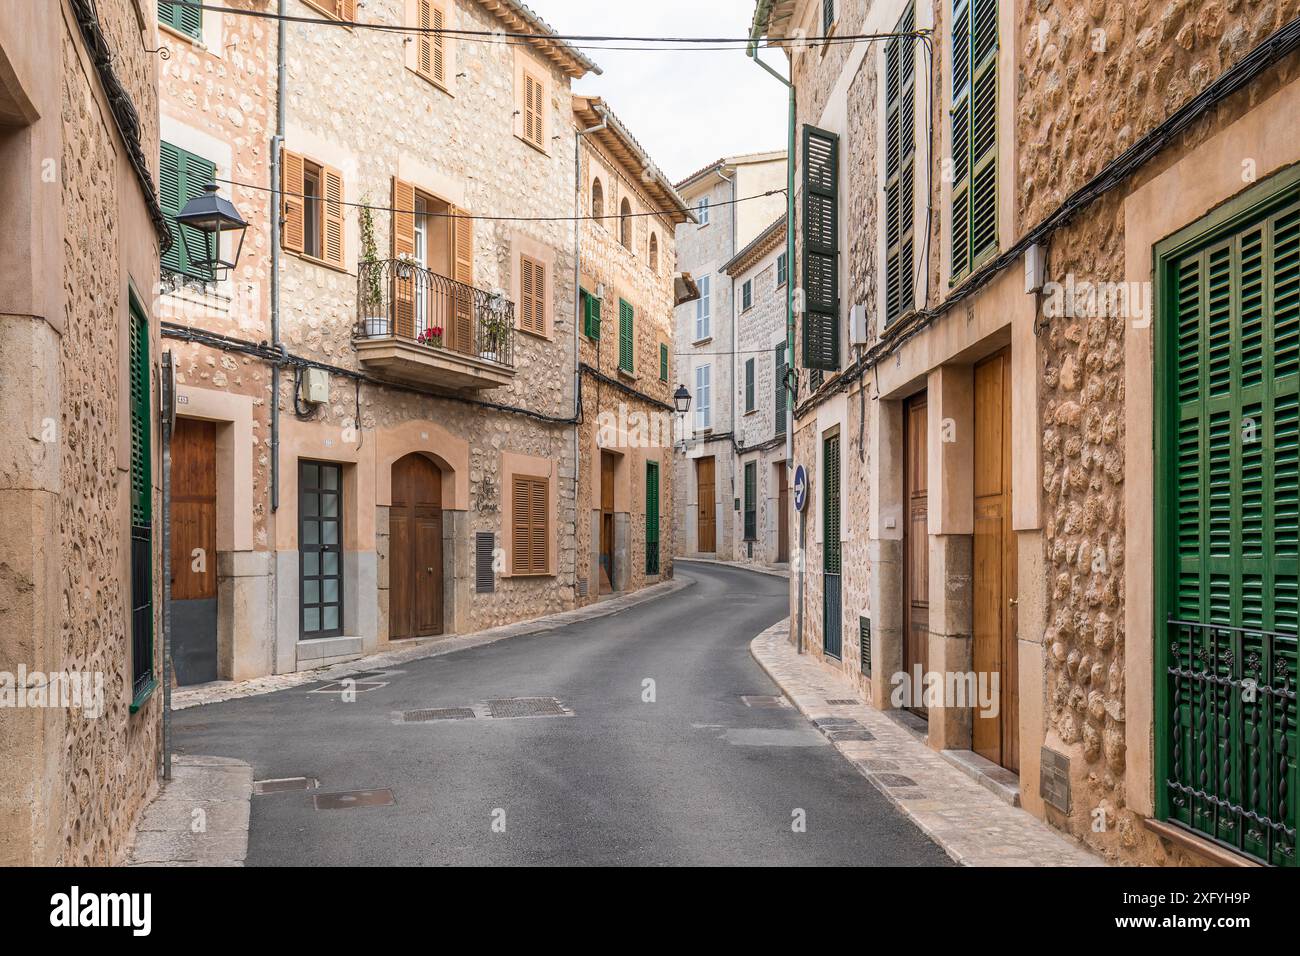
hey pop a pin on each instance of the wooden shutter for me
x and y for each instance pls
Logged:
(403, 295)
(141, 459)
(751, 501)
(831, 505)
(292, 205)
(780, 388)
(663, 363)
(439, 72)
(347, 10)
(652, 517)
(900, 139)
(188, 20)
(625, 336)
(532, 295)
(534, 110)
(821, 323)
(530, 525)
(182, 176)
(974, 133)
(591, 316)
(749, 384)
(169, 198)
(462, 331)
(424, 39)
(332, 222)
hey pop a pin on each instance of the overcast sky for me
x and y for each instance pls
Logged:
(687, 109)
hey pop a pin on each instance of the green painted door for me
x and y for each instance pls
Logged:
(1229, 489)
(652, 517)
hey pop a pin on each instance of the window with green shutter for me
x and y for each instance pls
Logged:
(974, 134)
(1228, 532)
(751, 501)
(749, 385)
(652, 517)
(900, 161)
(625, 338)
(832, 609)
(747, 295)
(590, 315)
(821, 320)
(782, 392)
(182, 176)
(186, 19)
(141, 506)
(663, 362)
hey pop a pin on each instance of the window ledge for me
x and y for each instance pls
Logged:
(704, 341)
(441, 87)
(627, 374)
(146, 692)
(543, 336)
(196, 42)
(527, 142)
(320, 262)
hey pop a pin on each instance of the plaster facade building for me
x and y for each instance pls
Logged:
(733, 200)
(1040, 455)
(81, 231)
(626, 292)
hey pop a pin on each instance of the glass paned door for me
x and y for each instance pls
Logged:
(320, 548)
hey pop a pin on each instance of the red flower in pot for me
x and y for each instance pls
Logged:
(431, 336)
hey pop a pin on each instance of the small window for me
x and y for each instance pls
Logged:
(313, 210)
(184, 19)
(654, 253)
(320, 548)
(534, 110)
(625, 224)
(590, 315)
(747, 295)
(597, 199)
(431, 45)
(702, 306)
(530, 534)
(532, 295)
(702, 211)
(749, 385)
(782, 270)
(663, 362)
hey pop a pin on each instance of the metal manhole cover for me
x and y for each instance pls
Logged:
(850, 735)
(353, 798)
(505, 708)
(283, 784)
(895, 780)
(762, 701)
(437, 713)
(842, 701)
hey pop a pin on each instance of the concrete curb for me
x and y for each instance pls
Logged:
(215, 693)
(739, 565)
(200, 816)
(973, 826)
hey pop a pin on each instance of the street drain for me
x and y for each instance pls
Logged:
(437, 713)
(842, 701)
(507, 708)
(762, 701)
(283, 784)
(353, 798)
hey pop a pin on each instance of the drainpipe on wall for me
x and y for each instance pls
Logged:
(277, 148)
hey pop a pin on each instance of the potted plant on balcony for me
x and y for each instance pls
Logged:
(496, 326)
(432, 337)
(405, 266)
(374, 321)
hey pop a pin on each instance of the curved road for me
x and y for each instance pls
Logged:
(695, 777)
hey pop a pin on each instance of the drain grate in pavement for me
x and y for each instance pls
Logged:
(842, 701)
(762, 701)
(437, 713)
(507, 708)
(353, 798)
(283, 784)
(850, 735)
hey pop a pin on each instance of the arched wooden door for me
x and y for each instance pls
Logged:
(415, 550)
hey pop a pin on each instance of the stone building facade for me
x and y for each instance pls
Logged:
(996, 368)
(733, 200)
(627, 264)
(758, 276)
(80, 556)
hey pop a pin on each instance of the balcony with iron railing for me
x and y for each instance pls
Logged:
(424, 329)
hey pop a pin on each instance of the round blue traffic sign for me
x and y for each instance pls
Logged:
(800, 488)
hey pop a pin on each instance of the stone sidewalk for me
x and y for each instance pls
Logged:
(759, 568)
(199, 818)
(973, 826)
(217, 691)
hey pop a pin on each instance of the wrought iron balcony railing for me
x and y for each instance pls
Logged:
(399, 299)
(1231, 746)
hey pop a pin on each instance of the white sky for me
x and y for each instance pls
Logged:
(687, 109)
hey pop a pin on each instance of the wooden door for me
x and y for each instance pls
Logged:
(707, 520)
(782, 513)
(607, 467)
(415, 550)
(995, 737)
(916, 544)
(194, 551)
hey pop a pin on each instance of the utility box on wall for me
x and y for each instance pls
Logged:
(316, 386)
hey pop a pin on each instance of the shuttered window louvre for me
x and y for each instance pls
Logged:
(293, 234)
(974, 134)
(652, 517)
(462, 330)
(182, 176)
(821, 325)
(590, 316)
(332, 223)
(749, 384)
(780, 389)
(431, 48)
(532, 308)
(900, 161)
(530, 533)
(186, 19)
(663, 363)
(625, 337)
(139, 378)
(751, 501)
(534, 110)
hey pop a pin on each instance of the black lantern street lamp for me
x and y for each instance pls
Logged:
(220, 231)
(682, 399)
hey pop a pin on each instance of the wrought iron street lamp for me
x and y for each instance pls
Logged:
(682, 399)
(219, 229)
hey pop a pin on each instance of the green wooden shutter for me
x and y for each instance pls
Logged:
(900, 161)
(749, 385)
(141, 506)
(652, 517)
(821, 322)
(663, 363)
(590, 315)
(625, 339)
(831, 505)
(781, 389)
(751, 501)
(974, 134)
(188, 20)
(1230, 487)
(182, 177)
(141, 479)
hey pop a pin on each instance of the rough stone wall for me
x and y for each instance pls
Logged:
(229, 94)
(109, 764)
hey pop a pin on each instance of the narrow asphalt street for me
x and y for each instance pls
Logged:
(695, 777)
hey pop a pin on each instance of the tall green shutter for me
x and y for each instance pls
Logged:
(141, 477)
(780, 388)
(141, 505)
(1229, 483)
(652, 517)
(821, 319)
(749, 384)
(590, 315)
(188, 20)
(900, 161)
(663, 363)
(831, 505)
(182, 177)
(625, 338)
(751, 501)
(974, 134)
